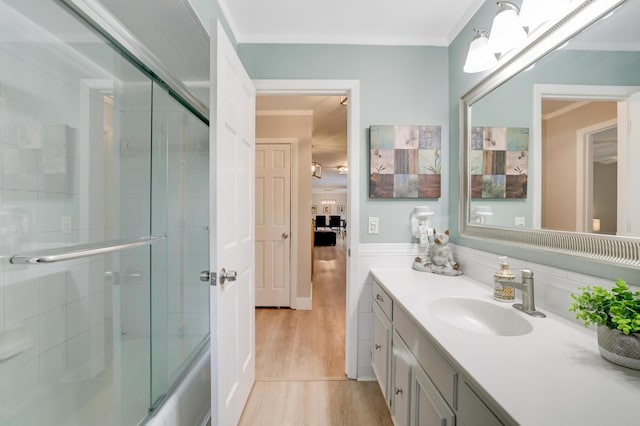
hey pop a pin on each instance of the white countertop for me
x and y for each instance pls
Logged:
(553, 375)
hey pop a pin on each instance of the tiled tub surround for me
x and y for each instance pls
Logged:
(553, 375)
(553, 286)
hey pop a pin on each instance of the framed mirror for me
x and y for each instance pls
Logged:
(551, 157)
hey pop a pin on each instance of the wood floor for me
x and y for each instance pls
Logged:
(300, 360)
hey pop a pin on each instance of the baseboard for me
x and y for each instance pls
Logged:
(305, 303)
(367, 379)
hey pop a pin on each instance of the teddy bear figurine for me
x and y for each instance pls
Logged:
(442, 261)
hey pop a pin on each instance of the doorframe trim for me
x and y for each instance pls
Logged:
(350, 88)
(293, 213)
(584, 172)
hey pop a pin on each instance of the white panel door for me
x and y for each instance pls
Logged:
(232, 228)
(273, 224)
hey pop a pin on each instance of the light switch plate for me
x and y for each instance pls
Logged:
(519, 220)
(373, 225)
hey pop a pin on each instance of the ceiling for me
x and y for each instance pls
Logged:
(380, 22)
(329, 140)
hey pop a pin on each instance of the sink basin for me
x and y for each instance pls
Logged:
(480, 317)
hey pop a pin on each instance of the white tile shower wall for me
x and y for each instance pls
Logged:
(132, 115)
(41, 140)
(553, 285)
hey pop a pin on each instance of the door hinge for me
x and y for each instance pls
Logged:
(348, 252)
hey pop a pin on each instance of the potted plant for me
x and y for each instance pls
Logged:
(616, 313)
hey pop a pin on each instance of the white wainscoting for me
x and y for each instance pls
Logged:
(389, 256)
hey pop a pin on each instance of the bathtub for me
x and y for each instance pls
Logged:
(189, 403)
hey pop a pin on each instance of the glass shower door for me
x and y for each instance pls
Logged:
(104, 213)
(180, 207)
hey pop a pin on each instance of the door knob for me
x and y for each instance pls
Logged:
(208, 277)
(285, 235)
(227, 276)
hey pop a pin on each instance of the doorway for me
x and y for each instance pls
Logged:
(567, 121)
(350, 89)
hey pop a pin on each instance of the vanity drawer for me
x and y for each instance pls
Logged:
(439, 371)
(382, 299)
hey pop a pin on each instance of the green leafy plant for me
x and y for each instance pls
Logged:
(617, 308)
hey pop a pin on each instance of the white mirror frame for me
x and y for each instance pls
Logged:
(614, 250)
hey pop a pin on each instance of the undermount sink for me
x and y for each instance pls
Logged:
(480, 317)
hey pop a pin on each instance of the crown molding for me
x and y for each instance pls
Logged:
(342, 40)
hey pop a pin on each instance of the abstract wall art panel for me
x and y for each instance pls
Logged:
(405, 161)
(499, 162)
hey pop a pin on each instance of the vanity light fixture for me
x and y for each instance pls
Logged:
(316, 170)
(480, 57)
(506, 30)
(534, 13)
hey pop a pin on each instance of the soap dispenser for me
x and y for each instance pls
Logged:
(501, 292)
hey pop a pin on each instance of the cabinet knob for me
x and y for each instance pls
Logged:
(379, 298)
(377, 346)
(398, 391)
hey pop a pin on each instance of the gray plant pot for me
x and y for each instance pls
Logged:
(619, 348)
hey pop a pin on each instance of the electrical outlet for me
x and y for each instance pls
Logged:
(373, 225)
(519, 220)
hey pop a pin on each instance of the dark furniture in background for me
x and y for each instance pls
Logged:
(334, 223)
(321, 221)
(324, 238)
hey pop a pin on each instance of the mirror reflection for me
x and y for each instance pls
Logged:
(553, 148)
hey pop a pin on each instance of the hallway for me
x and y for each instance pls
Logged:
(300, 360)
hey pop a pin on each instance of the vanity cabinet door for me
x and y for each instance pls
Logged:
(428, 408)
(401, 363)
(381, 350)
(472, 411)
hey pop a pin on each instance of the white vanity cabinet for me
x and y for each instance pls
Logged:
(472, 411)
(401, 364)
(428, 406)
(421, 385)
(381, 351)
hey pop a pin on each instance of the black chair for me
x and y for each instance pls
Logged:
(334, 223)
(321, 222)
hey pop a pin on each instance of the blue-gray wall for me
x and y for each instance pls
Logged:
(398, 85)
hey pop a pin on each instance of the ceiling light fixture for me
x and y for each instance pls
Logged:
(316, 170)
(506, 30)
(480, 57)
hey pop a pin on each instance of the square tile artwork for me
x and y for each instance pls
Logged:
(405, 162)
(499, 162)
